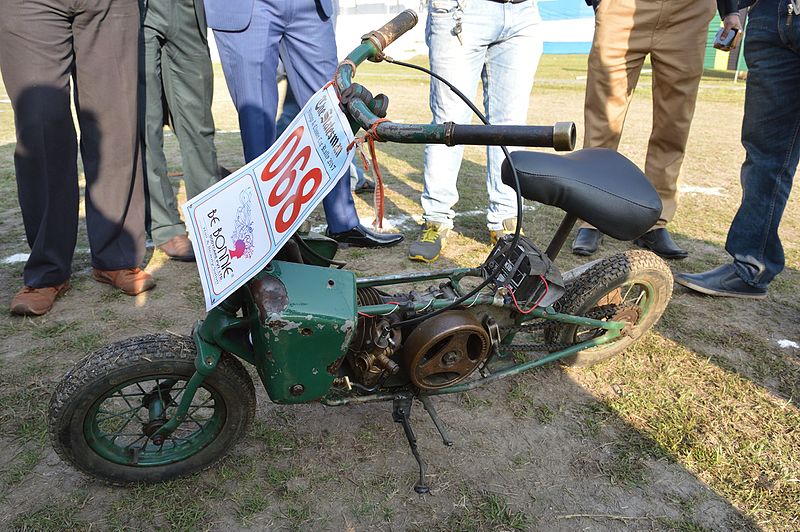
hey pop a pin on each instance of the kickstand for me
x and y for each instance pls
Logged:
(401, 412)
(426, 402)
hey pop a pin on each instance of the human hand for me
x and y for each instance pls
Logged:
(730, 23)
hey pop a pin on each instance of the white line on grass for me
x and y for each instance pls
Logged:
(15, 258)
(390, 222)
(708, 191)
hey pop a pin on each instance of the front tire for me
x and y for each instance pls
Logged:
(103, 410)
(634, 286)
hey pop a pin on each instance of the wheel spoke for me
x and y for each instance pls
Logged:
(193, 409)
(175, 438)
(124, 425)
(641, 295)
(125, 398)
(178, 391)
(204, 403)
(192, 418)
(199, 425)
(176, 400)
(625, 297)
(123, 394)
(131, 444)
(111, 415)
(158, 391)
(130, 435)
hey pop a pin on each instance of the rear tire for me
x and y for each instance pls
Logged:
(637, 282)
(103, 408)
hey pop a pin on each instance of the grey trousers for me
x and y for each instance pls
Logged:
(45, 45)
(176, 59)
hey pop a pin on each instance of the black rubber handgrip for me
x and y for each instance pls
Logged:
(561, 136)
(389, 32)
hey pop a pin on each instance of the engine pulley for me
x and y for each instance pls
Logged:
(445, 349)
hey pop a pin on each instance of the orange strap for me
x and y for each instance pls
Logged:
(370, 137)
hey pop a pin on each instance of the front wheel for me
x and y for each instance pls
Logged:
(633, 287)
(105, 412)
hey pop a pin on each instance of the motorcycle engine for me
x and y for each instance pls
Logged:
(374, 343)
(447, 348)
(437, 353)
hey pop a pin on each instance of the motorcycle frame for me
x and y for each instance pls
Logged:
(212, 338)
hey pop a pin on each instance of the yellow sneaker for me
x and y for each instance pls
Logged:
(509, 227)
(431, 243)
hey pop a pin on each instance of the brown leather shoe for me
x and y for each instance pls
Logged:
(132, 281)
(37, 301)
(178, 248)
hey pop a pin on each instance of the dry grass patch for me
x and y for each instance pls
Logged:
(734, 435)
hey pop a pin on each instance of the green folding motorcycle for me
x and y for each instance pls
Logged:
(157, 407)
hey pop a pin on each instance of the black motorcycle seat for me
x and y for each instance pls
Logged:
(597, 185)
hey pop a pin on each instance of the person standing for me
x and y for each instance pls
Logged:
(250, 35)
(291, 109)
(673, 33)
(771, 138)
(496, 42)
(177, 65)
(47, 48)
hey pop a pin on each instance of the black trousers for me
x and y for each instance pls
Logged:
(45, 46)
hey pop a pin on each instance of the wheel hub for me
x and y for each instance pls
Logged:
(150, 428)
(630, 315)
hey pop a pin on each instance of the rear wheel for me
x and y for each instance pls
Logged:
(634, 287)
(105, 413)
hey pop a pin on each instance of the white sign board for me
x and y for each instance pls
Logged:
(239, 224)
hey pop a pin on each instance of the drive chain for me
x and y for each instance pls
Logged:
(602, 312)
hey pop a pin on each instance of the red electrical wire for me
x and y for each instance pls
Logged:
(514, 298)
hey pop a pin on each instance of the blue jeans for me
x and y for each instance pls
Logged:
(770, 137)
(499, 46)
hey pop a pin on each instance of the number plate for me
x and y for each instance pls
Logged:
(239, 224)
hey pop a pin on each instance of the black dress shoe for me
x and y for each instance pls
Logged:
(660, 242)
(587, 241)
(362, 237)
(721, 281)
(364, 186)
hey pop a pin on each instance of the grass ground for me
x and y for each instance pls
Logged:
(696, 428)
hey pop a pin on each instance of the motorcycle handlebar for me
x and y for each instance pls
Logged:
(560, 136)
(389, 32)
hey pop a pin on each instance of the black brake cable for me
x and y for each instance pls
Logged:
(514, 241)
